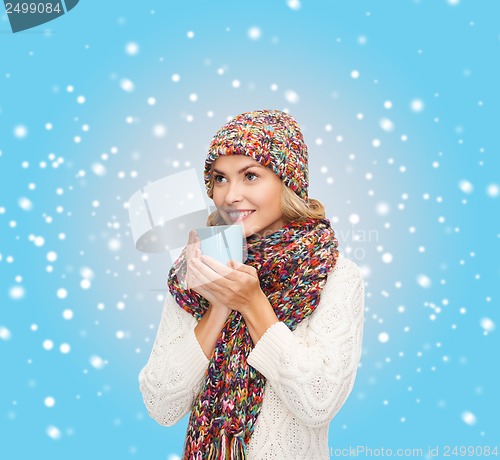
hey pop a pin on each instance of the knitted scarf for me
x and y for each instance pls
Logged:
(292, 264)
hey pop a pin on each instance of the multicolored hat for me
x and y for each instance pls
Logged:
(272, 138)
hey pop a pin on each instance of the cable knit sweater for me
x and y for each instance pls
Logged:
(310, 371)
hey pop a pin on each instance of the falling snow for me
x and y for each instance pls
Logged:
(292, 97)
(53, 432)
(293, 4)
(417, 105)
(127, 85)
(5, 333)
(254, 33)
(487, 324)
(132, 48)
(97, 362)
(469, 418)
(424, 281)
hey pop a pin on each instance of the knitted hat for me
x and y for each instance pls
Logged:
(272, 138)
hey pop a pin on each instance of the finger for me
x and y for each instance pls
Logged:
(197, 244)
(241, 267)
(191, 246)
(199, 278)
(210, 273)
(216, 266)
(191, 237)
(189, 242)
(191, 276)
(234, 264)
(198, 286)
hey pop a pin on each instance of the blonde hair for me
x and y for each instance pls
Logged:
(292, 206)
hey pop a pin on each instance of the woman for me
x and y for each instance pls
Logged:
(264, 353)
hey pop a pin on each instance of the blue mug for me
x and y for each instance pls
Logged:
(223, 243)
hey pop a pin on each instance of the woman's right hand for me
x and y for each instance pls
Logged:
(193, 251)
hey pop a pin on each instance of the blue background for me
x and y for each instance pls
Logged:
(79, 135)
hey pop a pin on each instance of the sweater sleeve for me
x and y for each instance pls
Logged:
(313, 375)
(175, 370)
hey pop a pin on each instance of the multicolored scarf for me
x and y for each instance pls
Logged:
(293, 265)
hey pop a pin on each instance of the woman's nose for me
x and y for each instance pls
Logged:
(234, 193)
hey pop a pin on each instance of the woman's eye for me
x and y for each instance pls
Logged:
(250, 176)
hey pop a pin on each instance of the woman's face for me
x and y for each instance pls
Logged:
(246, 192)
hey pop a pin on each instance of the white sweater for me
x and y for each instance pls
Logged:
(310, 371)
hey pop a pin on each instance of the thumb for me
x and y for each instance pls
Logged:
(243, 268)
(235, 264)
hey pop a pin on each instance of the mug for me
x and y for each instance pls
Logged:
(223, 243)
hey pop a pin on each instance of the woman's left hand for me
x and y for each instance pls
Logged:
(236, 286)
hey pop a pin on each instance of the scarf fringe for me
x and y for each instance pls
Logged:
(238, 449)
(223, 449)
(223, 454)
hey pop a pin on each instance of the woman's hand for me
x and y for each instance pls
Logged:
(193, 280)
(236, 286)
